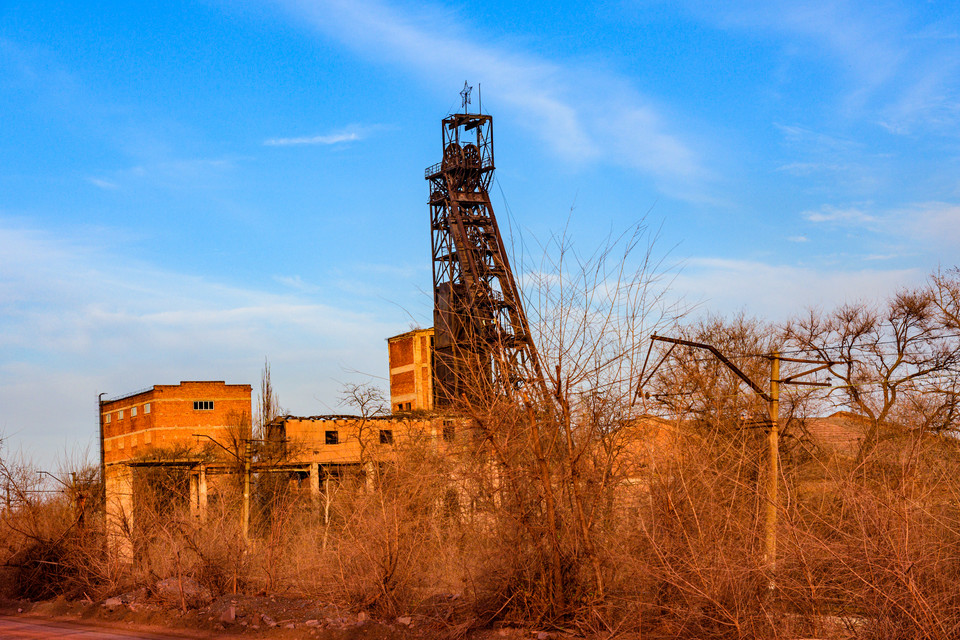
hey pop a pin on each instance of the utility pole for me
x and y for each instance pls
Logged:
(773, 460)
(103, 462)
(772, 398)
(245, 516)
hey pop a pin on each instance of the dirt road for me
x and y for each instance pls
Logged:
(37, 629)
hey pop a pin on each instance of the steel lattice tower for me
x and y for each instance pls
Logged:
(482, 341)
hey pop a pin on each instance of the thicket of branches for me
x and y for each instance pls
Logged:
(595, 508)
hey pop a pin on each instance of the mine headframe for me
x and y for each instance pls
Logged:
(482, 341)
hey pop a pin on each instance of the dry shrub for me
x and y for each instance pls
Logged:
(878, 544)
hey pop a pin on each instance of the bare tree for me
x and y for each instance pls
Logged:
(904, 352)
(268, 404)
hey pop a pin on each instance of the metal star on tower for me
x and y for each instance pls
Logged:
(465, 94)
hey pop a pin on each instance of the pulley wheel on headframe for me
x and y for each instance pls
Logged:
(471, 161)
(452, 155)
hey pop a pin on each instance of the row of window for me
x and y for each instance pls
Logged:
(133, 413)
(333, 437)
(386, 435)
(198, 405)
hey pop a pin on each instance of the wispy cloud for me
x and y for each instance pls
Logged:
(798, 239)
(898, 71)
(71, 309)
(334, 138)
(583, 115)
(933, 222)
(103, 184)
(775, 291)
(930, 223)
(851, 216)
(297, 283)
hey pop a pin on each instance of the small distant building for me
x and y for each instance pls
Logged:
(411, 371)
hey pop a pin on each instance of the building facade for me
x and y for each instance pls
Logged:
(186, 425)
(411, 371)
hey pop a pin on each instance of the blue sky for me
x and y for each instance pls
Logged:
(187, 188)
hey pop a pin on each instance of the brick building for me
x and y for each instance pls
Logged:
(175, 424)
(411, 371)
(324, 447)
(169, 417)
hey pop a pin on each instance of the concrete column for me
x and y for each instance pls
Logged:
(118, 489)
(202, 492)
(369, 481)
(314, 482)
(194, 494)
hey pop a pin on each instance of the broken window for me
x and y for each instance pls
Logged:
(331, 437)
(449, 432)
(386, 436)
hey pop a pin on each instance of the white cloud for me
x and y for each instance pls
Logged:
(776, 292)
(103, 184)
(585, 116)
(844, 216)
(903, 71)
(334, 138)
(932, 223)
(798, 239)
(937, 222)
(77, 319)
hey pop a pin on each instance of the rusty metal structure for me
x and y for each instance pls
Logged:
(482, 341)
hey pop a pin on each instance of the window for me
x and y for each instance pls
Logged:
(133, 412)
(400, 407)
(408, 406)
(331, 437)
(203, 405)
(449, 432)
(146, 408)
(108, 417)
(386, 436)
(120, 414)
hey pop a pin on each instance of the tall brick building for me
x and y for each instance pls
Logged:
(175, 422)
(411, 371)
(169, 416)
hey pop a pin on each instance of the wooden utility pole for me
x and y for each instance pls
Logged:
(245, 516)
(773, 453)
(103, 461)
(773, 435)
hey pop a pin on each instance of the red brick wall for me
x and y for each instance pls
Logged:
(172, 421)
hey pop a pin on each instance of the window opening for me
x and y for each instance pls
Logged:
(386, 436)
(331, 437)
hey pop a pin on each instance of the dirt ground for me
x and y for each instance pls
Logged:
(236, 616)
